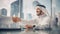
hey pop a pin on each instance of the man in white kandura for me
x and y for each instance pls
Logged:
(42, 21)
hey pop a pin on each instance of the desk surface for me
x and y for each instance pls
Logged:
(55, 31)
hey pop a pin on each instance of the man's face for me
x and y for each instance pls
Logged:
(39, 11)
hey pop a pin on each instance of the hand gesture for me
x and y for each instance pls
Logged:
(16, 19)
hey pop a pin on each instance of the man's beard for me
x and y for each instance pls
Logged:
(39, 14)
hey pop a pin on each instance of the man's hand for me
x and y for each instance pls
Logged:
(16, 19)
(29, 26)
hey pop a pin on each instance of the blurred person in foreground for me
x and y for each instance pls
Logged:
(58, 18)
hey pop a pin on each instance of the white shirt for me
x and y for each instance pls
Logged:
(40, 20)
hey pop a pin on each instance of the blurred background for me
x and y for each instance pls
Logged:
(25, 10)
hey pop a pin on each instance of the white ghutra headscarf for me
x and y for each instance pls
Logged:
(42, 7)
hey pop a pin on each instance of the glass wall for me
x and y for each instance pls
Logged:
(22, 7)
(56, 9)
